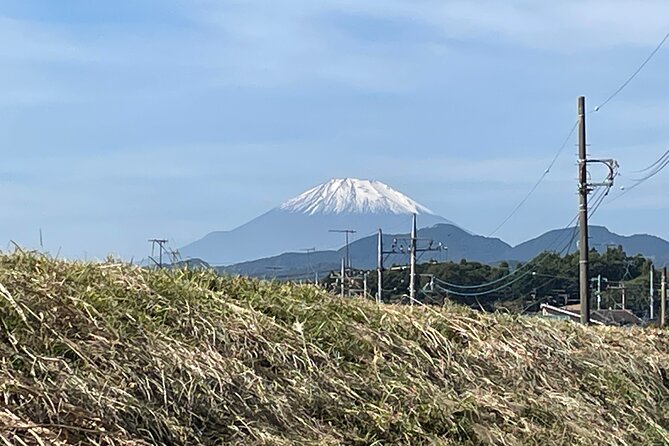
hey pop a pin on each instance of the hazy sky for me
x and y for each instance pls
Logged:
(129, 119)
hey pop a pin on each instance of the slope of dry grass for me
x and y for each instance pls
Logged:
(111, 354)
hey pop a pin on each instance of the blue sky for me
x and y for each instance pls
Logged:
(125, 120)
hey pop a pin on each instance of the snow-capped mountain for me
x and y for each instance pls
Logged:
(304, 222)
(354, 196)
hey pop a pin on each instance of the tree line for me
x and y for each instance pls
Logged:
(520, 287)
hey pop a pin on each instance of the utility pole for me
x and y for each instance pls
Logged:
(584, 288)
(412, 262)
(413, 251)
(311, 267)
(379, 265)
(652, 293)
(161, 247)
(346, 232)
(364, 284)
(343, 277)
(622, 284)
(663, 297)
(599, 292)
(379, 270)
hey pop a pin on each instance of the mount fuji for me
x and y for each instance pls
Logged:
(304, 222)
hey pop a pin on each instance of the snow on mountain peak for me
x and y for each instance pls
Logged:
(351, 195)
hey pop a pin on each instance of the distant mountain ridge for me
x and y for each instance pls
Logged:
(274, 242)
(460, 245)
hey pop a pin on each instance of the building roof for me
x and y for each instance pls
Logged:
(598, 317)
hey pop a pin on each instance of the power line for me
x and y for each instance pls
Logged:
(598, 202)
(638, 70)
(483, 293)
(660, 165)
(494, 282)
(666, 154)
(457, 293)
(534, 262)
(346, 232)
(539, 181)
(537, 260)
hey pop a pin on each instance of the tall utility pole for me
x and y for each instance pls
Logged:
(413, 251)
(379, 265)
(346, 232)
(343, 278)
(652, 293)
(663, 297)
(161, 247)
(412, 262)
(311, 267)
(599, 292)
(584, 288)
(364, 285)
(379, 270)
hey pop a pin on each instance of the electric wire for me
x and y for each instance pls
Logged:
(483, 293)
(538, 182)
(666, 154)
(494, 282)
(636, 72)
(596, 109)
(663, 162)
(543, 285)
(597, 201)
(659, 166)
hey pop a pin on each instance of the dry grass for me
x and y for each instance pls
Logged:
(110, 354)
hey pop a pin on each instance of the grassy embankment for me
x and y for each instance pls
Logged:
(114, 355)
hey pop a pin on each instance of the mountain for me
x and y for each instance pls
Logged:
(599, 238)
(460, 245)
(304, 222)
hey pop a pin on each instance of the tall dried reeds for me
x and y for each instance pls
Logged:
(111, 354)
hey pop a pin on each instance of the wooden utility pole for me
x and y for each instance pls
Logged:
(599, 292)
(651, 314)
(583, 190)
(311, 267)
(346, 232)
(161, 247)
(663, 297)
(364, 285)
(379, 270)
(412, 254)
(343, 278)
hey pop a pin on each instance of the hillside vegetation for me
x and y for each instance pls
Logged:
(111, 354)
